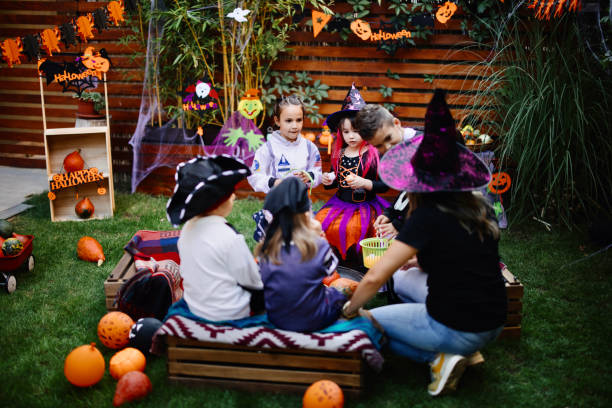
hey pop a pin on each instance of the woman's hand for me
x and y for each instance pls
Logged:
(354, 182)
(328, 178)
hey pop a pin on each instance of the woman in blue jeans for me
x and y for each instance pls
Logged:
(453, 234)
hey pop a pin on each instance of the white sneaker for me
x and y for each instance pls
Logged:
(446, 370)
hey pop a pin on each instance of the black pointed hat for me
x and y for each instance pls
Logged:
(434, 161)
(353, 103)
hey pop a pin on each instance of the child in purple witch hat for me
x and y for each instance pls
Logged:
(453, 232)
(348, 216)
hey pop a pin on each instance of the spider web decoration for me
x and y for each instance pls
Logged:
(61, 73)
(100, 19)
(31, 46)
(68, 34)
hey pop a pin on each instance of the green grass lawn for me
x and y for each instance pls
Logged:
(562, 359)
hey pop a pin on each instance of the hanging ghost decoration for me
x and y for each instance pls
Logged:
(11, 50)
(200, 96)
(250, 105)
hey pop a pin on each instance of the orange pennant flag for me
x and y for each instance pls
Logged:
(319, 20)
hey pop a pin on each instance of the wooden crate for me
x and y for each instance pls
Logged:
(123, 271)
(262, 369)
(514, 292)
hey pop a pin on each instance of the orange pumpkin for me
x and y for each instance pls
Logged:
(310, 136)
(90, 250)
(133, 385)
(84, 366)
(344, 285)
(326, 137)
(126, 360)
(329, 279)
(73, 162)
(84, 208)
(323, 394)
(114, 329)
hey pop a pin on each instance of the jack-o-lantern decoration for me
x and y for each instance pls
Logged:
(500, 183)
(361, 29)
(11, 50)
(50, 39)
(446, 11)
(250, 106)
(85, 27)
(115, 12)
(93, 60)
(126, 360)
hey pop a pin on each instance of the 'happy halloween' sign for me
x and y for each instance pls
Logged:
(74, 178)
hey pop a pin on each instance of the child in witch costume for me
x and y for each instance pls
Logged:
(348, 216)
(453, 232)
(294, 259)
(221, 280)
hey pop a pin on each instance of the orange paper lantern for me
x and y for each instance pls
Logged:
(126, 360)
(114, 329)
(84, 366)
(323, 394)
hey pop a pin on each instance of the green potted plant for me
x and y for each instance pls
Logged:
(90, 105)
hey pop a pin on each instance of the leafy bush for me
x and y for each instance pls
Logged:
(95, 97)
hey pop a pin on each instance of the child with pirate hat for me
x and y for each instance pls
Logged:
(221, 280)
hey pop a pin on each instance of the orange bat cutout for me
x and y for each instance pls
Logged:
(115, 12)
(50, 40)
(319, 20)
(85, 27)
(11, 50)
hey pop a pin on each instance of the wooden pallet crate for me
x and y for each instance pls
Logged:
(246, 368)
(123, 271)
(514, 292)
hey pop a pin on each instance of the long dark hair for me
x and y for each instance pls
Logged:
(470, 208)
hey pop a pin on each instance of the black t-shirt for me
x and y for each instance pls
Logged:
(466, 287)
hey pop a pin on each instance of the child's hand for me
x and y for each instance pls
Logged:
(328, 178)
(381, 219)
(355, 182)
(386, 230)
(302, 175)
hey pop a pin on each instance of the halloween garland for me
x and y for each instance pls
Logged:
(50, 39)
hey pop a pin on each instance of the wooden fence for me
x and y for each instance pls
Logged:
(440, 61)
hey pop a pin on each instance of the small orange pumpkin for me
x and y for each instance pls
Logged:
(326, 137)
(323, 394)
(329, 279)
(73, 162)
(345, 285)
(90, 250)
(84, 208)
(310, 136)
(126, 360)
(114, 329)
(84, 366)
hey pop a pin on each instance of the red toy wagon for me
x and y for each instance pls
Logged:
(11, 264)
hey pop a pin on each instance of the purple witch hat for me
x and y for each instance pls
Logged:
(353, 103)
(434, 161)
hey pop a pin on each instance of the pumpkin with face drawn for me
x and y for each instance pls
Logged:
(446, 11)
(250, 105)
(93, 60)
(500, 183)
(361, 29)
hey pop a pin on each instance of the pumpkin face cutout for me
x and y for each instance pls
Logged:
(84, 366)
(126, 360)
(323, 394)
(500, 183)
(361, 29)
(94, 61)
(114, 329)
(446, 11)
(250, 105)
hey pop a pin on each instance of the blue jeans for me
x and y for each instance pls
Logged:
(413, 333)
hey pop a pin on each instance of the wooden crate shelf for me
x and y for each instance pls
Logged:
(201, 363)
(123, 271)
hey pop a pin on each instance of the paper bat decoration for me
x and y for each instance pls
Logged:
(115, 12)
(99, 18)
(31, 47)
(85, 27)
(71, 76)
(11, 50)
(50, 39)
(67, 34)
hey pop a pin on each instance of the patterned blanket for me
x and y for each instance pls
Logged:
(256, 331)
(158, 245)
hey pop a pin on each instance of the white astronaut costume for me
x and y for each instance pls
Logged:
(278, 158)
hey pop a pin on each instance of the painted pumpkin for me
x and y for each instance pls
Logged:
(11, 246)
(84, 366)
(114, 329)
(90, 250)
(84, 208)
(344, 285)
(73, 162)
(126, 360)
(93, 60)
(500, 183)
(132, 386)
(361, 29)
(323, 394)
